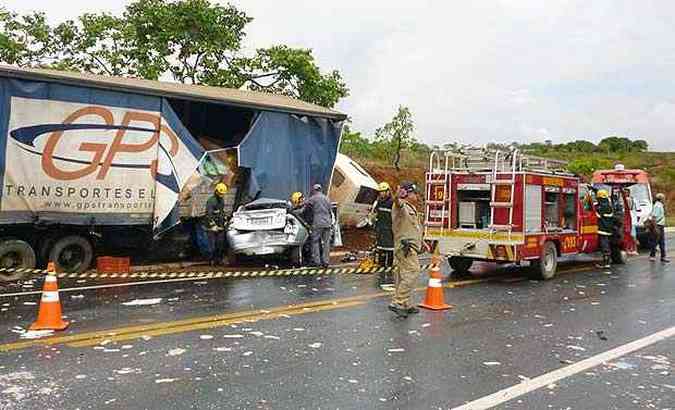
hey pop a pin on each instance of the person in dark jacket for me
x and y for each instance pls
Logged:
(319, 207)
(214, 223)
(605, 214)
(384, 242)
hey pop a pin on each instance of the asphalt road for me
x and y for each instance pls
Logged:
(329, 342)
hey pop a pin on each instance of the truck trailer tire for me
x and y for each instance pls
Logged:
(460, 265)
(15, 253)
(546, 267)
(72, 253)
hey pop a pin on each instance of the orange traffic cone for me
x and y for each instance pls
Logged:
(434, 297)
(49, 315)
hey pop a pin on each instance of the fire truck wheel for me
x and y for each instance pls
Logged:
(460, 265)
(619, 256)
(15, 253)
(546, 267)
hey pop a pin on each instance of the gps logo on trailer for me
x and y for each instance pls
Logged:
(99, 156)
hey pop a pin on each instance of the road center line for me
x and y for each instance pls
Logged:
(520, 389)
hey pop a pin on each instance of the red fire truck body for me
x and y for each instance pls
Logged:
(507, 208)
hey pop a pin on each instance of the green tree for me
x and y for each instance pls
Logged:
(615, 144)
(194, 41)
(397, 135)
(354, 145)
(639, 146)
(25, 40)
(586, 166)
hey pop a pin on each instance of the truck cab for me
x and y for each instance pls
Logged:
(637, 182)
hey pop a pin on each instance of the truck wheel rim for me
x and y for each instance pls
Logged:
(71, 257)
(549, 260)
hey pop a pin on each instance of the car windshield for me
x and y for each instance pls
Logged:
(640, 193)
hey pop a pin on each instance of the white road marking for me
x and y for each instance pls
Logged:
(544, 380)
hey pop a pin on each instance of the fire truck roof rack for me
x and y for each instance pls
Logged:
(479, 159)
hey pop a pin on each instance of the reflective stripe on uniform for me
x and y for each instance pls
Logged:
(435, 283)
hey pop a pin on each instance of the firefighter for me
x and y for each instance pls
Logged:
(214, 223)
(381, 218)
(603, 209)
(407, 247)
(619, 213)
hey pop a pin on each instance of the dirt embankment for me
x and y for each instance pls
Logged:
(392, 176)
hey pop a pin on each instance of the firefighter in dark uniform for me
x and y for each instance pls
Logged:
(605, 214)
(407, 247)
(381, 219)
(214, 223)
(619, 213)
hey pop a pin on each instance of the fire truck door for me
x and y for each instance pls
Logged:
(588, 229)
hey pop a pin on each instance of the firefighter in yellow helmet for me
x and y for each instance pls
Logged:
(214, 223)
(297, 199)
(380, 217)
(605, 214)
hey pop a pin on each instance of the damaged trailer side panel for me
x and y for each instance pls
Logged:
(75, 155)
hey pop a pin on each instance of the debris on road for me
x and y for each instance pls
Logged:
(176, 352)
(143, 302)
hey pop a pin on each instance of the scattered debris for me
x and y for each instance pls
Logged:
(158, 381)
(316, 345)
(491, 364)
(176, 352)
(36, 334)
(143, 302)
(396, 350)
(577, 348)
(206, 337)
(233, 336)
(601, 335)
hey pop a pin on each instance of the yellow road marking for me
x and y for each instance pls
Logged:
(186, 325)
(182, 325)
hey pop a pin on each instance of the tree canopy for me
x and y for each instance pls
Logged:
(192, 41)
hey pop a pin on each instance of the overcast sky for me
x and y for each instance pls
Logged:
(479, 71)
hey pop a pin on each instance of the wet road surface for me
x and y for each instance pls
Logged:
(329, 342)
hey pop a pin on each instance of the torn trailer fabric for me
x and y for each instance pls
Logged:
(288, 153)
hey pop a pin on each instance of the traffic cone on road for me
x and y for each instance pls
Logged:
(434, 296)
(49, 315)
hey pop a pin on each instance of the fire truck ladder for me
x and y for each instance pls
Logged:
(504, 162)
(438, 167)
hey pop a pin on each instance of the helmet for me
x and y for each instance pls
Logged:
(383, 186)
(660, 196)
(296, 197)
(221, 189)
(409, 187)
(603, 194)
(317, 187)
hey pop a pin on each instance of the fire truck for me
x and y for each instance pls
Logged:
(508, 207)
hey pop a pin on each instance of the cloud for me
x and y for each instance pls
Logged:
(500, 70)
